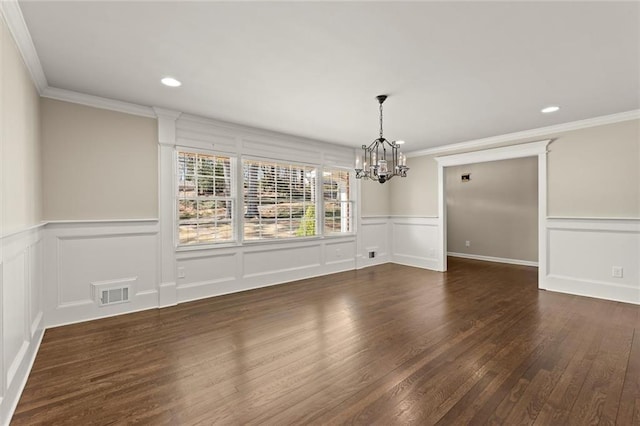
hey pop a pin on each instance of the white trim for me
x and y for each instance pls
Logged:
(100, 221)
(594, 289)
(110, 315)
(531, 149)
(17, 232)
(591, 218)
(493, 259)
(10, 10)
(528, 134)
(248, 130)
(599, 224)
(97, 102)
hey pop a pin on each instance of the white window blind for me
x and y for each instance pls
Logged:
(338, 206)
(205, 198)
(279, 200)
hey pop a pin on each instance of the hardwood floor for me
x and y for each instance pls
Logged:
(384, 345)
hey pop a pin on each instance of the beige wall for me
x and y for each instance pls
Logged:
(414, 195)
(374, 198)
(98, 164)
(20, 181)
(496, 211)
(595, 172)
(592, 172)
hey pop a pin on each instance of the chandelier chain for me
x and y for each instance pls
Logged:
(381, 121)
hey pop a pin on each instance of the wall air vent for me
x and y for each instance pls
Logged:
(114, 295)
(112, 292)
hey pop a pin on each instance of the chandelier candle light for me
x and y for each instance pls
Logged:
(377, 164)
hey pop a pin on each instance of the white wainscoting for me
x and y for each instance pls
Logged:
(217, 271)
(373, 236)
(406, 240)
(78, 254)
(21, 321)
(582, 253)
(414, 241)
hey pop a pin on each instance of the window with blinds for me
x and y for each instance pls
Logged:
(205, 199)
(338, 206)
(279, 200)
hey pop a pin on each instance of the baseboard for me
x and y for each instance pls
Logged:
(89, 311)
(593, 288)
(416, 261)
(493, 259)
(365, 262)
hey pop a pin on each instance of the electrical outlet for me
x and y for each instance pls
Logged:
(467, 243)
(372, 254)
(617, 271)
(181, 273)
(338, 252)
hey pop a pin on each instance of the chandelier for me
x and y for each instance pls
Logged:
(381, 160)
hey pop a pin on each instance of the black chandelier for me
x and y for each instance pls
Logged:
(377, 164)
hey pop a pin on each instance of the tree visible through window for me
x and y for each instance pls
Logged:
(205, 198)
(279, 200)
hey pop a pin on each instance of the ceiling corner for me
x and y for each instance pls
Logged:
(10, 10)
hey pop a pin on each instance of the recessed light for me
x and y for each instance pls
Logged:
(547, 110)
(171, 82)
(399, 142)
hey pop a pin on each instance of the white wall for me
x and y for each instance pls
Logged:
(21, 248)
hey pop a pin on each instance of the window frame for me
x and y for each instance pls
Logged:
(236, 161)
(241, 204)
(233, 241)
(351, 201)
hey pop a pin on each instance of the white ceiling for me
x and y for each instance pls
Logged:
(454, 71)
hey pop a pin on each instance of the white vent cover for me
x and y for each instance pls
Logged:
(112, 292)
(114, 295)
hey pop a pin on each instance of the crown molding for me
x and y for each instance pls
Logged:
(10, 10)
(98, 102)
(493, 154)
(532, 133)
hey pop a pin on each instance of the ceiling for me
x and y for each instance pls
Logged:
(453, 71)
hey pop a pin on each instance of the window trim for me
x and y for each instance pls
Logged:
(352, 202)
(237, 197)
(317, 202)
(176, 201)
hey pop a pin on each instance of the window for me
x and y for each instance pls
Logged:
(338, 206)
(279, 200)
(205, 199)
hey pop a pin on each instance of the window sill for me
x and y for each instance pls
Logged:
(255, 243)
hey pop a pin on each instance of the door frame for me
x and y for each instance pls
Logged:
(530, 149)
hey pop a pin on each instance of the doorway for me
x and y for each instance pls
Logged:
(492, 211)
(532, 149)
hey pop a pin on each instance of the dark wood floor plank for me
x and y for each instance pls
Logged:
(384, 345)
(629, 409)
